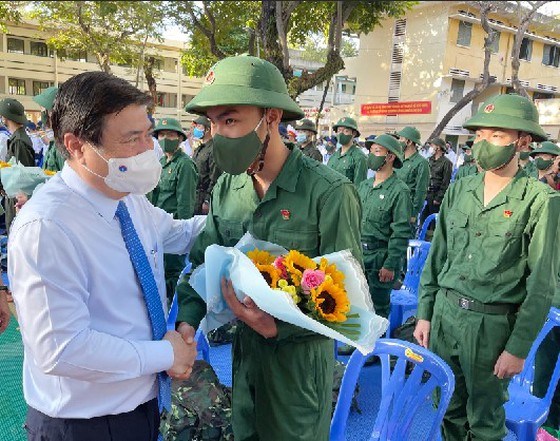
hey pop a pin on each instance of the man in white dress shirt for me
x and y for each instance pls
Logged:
(91, 364)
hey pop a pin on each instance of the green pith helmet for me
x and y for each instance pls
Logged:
(391, 144)
(547, 147)
(169, 124)
(469, 143)
(46, 98)
(245, 80)
(512, 112)
(440, 143)
(203, 121)
(534, 145)
(13, 110)
(347, 122)
(410, 133)
(306, 124)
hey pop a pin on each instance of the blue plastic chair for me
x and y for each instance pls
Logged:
(525, 413)
(406, 298)
(401, 396)
(427, 222)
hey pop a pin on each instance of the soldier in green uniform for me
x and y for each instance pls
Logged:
(386, 209)
(176, 190)
(53, 160)
(441, 169)
(488, 282)
(306, 133)
(415, 171)
(282, 374)
(525, 161)
(348, 160)
(546, 160)
(208, 171)
(469, 167)
(20, 146)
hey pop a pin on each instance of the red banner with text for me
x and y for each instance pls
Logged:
(396, 108)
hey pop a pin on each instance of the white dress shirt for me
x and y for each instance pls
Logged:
(85, 327)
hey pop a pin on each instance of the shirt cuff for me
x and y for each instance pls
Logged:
(155, 356)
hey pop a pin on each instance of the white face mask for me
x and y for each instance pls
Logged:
(431, 151)
(138, 174)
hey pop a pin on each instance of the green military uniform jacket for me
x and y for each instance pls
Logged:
(307, 207)
(385, 219)
(312, 151)
(531, 170)
(467, 169)
(176, 190)
(353, 164)
(503, 253)
(440, 176)
(53, 159)
(415, 173)
(208, 173)
(21, 148)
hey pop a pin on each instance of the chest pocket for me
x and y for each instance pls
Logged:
(306, 242)
(380, 214)
(168, 181)
(348, 164)
(457, 231)
(231, 232)
(505, 242)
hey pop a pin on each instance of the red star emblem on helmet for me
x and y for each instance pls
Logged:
(209, 78)
(489, 108)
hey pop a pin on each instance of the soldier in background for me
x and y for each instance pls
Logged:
(440, 177)
(306, 133)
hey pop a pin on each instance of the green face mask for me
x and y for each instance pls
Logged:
(235, 155)
(524, 155)
(543, 164)
(169, 145)
(375, 162)
(44, 119)
(344, 138)
(491, 156)
(467, 158)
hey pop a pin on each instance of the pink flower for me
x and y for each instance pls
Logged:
(279, 263)
(311, 279)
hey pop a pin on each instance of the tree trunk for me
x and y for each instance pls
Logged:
(270, 38)
(141, 60)
(103, 61)
(152, 85)
(321, 105)
(515, 63)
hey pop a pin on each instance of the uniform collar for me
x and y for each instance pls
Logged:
(105, 206)
(386, 182)
(514, 190)
(288, 176)
(176, 155)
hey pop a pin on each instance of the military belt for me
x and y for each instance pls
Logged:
(476, 306)
(374, 245)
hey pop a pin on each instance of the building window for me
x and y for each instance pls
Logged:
(73, 55)
(39, 49)
(15, 45)
(40, 86)
(542, 96)
(185, 99)
(464, 35)
(343, 88)
(158, 64)
(166, 99)
(457, 89)
(551, 55)
(495, 46)
(16, 86)
(526, 49)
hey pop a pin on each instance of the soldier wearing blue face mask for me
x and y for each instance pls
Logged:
(208, 170)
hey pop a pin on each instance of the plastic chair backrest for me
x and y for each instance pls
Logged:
(427, 222)
(401, 396)
(417, 254)
(525, 378)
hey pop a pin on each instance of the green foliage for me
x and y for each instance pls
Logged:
(10, 11)
(112, 30)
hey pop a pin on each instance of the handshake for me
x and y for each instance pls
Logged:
(184, 351)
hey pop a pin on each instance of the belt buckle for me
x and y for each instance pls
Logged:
(464, 303)
(364, 246)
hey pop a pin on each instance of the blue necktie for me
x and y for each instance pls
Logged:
(151, 294)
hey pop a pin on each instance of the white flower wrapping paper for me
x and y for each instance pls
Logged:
(231, 262)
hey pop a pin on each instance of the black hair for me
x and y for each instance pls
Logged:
(83, 102)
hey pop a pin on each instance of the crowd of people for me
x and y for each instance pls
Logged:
(96, 254)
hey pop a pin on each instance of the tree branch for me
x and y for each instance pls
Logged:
(209, 34)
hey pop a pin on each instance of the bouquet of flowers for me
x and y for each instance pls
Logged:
(327, 295)
(17, 178)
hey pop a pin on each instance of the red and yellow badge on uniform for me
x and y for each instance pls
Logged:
(508, 213)
(285, 214)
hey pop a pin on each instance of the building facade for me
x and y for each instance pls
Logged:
(433, 56)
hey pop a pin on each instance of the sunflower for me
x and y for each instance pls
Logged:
(270, 273)
(330, 270)
(260, 257)
(296, 263)
(50, 172)
(331, 302)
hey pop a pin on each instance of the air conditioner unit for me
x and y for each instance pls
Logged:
(459, 72)
(522, 82)
(492, 77)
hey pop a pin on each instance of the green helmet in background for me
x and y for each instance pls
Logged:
(306, 124)
(203, 121)
(513, 112)
(13, 110)
(169, 124)
(347, 122)
(46, 98)
(410, 133)
(547, 147)
(245, 80)
(440, 143)
(391, 144)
